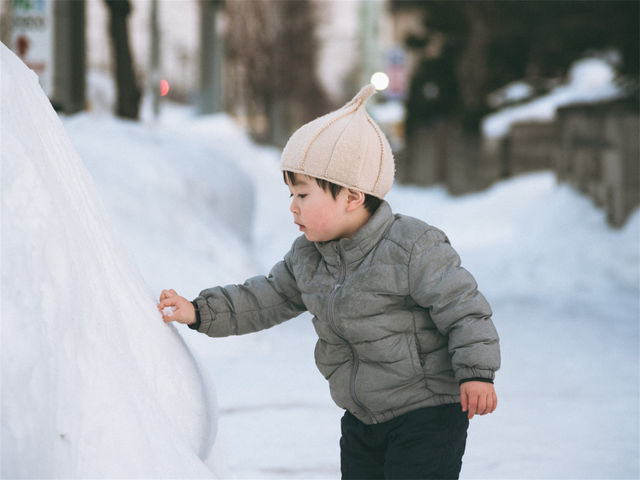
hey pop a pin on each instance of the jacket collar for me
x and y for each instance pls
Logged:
(360, 244)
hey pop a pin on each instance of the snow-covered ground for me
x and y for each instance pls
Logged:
(197, 204)
(590, 79)
(563, 285)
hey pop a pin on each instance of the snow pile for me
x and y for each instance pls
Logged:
(590, 80)
(511, 93)
(93, 383)
(177, 188)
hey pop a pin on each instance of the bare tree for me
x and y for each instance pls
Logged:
(128, 96)
(272, 54)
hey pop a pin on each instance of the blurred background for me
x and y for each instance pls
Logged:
(471, 92)
(514, 126)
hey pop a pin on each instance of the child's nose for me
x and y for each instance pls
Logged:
(293, 207)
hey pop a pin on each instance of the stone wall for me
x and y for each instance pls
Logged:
(443, 153)
(598, 152)
(594, 147)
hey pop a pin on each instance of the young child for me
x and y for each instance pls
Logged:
(405, 339)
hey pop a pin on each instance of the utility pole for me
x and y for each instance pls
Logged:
(128, 92)
(211, 57)
(69, 56)
(154, 77)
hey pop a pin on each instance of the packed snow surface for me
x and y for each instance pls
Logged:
(93, 383)
(199, 205)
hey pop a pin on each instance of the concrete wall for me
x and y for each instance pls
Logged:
(598, 152)
(594, 147)
(443, 153)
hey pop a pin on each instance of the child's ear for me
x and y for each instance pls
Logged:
(355, 199)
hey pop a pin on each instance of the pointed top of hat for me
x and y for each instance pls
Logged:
(363, 95)
(345, 147)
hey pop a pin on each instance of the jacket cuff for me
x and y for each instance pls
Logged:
(210, 321)
(475, 379)
(465, 374)
(198, 322)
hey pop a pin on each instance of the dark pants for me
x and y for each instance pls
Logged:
(426, 444)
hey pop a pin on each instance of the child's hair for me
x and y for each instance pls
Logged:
(371, 203)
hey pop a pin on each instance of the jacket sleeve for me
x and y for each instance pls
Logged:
(260, 302)
(438, 283)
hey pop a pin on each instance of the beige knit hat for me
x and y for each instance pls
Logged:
(344, 147)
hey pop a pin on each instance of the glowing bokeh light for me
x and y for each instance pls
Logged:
(380, 80)
(164, 87)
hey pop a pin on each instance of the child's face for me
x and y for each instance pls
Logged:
(318, 215)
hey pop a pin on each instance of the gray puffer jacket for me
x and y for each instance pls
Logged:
(399, 321)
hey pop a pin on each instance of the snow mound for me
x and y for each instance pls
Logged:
(93, 383)
(590, 80)
(169, 192)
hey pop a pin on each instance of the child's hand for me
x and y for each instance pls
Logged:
(173, 307)
(478, 398)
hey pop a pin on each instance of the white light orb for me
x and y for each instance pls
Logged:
(380, 80)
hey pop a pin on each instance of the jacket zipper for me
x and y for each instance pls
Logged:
(332, 323)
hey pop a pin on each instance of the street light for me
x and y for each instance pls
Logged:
(380, 80)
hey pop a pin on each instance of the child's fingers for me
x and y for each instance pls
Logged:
(487, 403)
(171, 314)
(481, 409)
(494, 402)
(478, 398)
(168, 294)
(175, 308)
(168, 298)
(473, 406)
(168, 302)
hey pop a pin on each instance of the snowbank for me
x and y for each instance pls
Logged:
(590, 80)
(93, 383)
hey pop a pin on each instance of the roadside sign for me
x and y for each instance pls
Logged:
(32, 38)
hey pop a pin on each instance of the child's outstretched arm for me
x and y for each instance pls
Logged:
(173, 307)
(478, 398)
